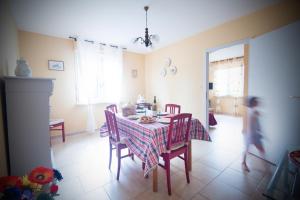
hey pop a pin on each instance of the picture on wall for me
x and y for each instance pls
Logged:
(134, 73)
(56, 65)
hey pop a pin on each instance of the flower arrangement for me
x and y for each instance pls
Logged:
(40, 184)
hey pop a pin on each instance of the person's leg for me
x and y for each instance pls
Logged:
(244, 163)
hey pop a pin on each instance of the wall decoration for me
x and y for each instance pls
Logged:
(163, 72)
(56, 65)
(22, 68)
(134, 73)
(168, 62)
(173, 69)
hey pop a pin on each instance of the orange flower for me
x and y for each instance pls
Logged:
(41, 175)
(9, 181)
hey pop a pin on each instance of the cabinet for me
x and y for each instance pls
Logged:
(26, 107)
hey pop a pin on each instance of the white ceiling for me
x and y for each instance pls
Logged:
(225, 53)
(120, 21)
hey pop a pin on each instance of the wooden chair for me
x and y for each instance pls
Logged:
(172, 108)
(115, 141)
(177, 144)
(58, 125)
(113, 108)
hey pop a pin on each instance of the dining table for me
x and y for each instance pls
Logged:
(149, 140)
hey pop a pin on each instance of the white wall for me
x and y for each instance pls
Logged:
(229, 52)
(274, 75)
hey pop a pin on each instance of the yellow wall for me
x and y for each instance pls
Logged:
(186, 87)
(132, 87)
(37, 49)
(9, 53)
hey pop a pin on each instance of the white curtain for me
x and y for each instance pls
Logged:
(229, 78)
(98, 70)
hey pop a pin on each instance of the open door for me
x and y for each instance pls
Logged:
(274, 71)
(227, 80)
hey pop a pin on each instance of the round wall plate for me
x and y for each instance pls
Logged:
(163, 72)
(173, 69)
(168, 62)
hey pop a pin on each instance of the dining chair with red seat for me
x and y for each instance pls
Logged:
(177, 144)
(172, 108)
(113, 108)
(115, 140)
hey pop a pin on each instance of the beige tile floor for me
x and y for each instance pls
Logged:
(216, 172)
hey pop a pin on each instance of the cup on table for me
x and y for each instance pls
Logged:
(159, 113)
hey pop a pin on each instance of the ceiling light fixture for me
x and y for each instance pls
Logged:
(147, 40)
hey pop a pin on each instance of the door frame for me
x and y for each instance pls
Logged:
(205, 105)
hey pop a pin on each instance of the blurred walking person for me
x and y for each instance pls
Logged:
(253, 130)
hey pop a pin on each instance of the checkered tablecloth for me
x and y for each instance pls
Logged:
(148, 141)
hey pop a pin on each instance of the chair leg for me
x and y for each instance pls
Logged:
(110, 154)
(186, 166)
(119, 162)
(167, 165)
(132, 156)
(63, 132)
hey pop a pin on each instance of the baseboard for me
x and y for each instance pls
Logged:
(262, 159)
(71, 134)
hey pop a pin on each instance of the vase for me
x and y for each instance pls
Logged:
(22, 68)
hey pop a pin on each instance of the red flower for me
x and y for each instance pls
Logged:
(9, 182)
(41, 175)
(53, 189)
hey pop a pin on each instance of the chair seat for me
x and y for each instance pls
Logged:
(176, 151)
(54, 122)
(122, 140)
(175, 147)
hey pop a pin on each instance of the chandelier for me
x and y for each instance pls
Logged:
(147, 40)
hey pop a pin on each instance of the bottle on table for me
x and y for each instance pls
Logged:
(154, 107)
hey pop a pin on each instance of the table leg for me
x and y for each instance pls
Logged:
(155, 181)
(190, 156)
(63, 131)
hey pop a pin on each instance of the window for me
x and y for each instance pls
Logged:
(98, 71)
(229, 80)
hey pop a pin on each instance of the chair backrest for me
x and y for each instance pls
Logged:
(112, 108)
(112, 127)
(172, 108)
(179, 130)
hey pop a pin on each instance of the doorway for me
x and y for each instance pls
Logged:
(227, 85)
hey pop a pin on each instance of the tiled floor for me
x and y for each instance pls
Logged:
(216, 172)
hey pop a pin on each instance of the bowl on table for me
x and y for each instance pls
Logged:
(147, 120)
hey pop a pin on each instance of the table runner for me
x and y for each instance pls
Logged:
(148, 141)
